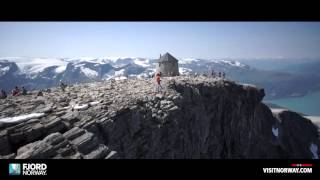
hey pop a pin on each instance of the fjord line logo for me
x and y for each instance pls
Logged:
(35, 169)
(295, 168)
(14, 169)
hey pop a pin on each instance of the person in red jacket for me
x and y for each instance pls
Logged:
(158, 82)
(16, 91)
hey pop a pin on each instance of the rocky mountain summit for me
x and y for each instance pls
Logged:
(41, 73)
(196, 117)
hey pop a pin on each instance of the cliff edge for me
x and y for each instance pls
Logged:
(196, 118)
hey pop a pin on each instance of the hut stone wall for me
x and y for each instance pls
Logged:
(169, 68)
(167, 65)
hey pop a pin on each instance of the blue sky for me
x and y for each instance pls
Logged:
(149, 39)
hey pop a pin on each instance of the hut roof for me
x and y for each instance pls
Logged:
(167, 58)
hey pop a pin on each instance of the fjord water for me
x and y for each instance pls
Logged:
(308, 104)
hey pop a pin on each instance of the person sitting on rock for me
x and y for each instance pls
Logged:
(16, 91)
(3, 94)
(24, 91)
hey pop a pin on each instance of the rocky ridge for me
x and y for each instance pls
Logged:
(196, 117)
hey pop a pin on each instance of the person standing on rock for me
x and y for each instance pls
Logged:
(24, 91)
(3, 94)
(223, 75)
(62, 86)
(158, 83)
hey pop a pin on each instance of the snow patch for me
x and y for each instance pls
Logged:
(142, 62)
(94, 103)
(85, 106)
(79, 65)
(98, 60)
(120, 78)
(275, 131)
(21, 118)
(277, 110)
(141, 76)
(35, 65)
(83, 59)
(107, 77)
(4, 70)
(119, 73)
(81, 107)
(115, 59)
(89, 72)
(233, 63)
(60, 69)
(183, 70)
(314, 150)
(188, 60)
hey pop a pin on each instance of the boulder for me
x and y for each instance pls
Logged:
(46, 148)
(55, 125)
(85, 143)
(71, 117)
(100, 152)
(5, 147)
(74, 133)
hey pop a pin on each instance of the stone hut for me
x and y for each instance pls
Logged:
(167, 65)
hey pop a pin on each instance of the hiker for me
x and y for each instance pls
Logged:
(15, 91)
(223, 75)
(219, 75)
(3, 94)
(212, 73)
(24, 91)
(40, 93)
(158, 82)
(62, 86)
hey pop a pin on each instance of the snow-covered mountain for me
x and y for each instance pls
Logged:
(46, 72)
(39, 73)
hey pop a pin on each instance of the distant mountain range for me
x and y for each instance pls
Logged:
(39, 73)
